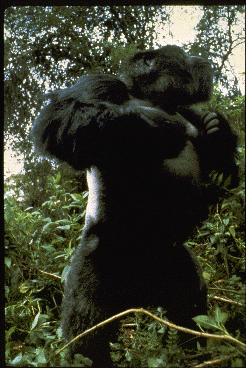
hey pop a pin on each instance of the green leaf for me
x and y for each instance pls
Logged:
(206, 322)
(65, 227)
(34, 324)
(58, 178)
(220, 317)
(64, 273)
(77, 197)
(7, 261)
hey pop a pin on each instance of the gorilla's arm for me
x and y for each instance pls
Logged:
(217, 143)
(70, 131)
(85, 134)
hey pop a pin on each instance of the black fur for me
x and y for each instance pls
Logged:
(147, 155)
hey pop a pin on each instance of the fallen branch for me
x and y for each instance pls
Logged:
(171, 325)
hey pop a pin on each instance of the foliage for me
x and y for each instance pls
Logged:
(39, 244)
(47, 48)
(38, 248)
(217, 38)
(50, 47)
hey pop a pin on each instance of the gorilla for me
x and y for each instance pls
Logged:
(148, 154)
(173, 81)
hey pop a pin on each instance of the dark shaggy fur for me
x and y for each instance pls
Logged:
(147, 155)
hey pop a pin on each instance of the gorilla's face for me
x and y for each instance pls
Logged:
(170, 77)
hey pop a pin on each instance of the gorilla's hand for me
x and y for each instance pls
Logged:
(212, 122)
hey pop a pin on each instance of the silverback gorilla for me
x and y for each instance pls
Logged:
(148, 153)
